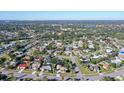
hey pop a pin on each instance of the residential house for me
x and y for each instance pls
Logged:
(109, 50)
(121, 55)
(39, 58)
(46, 67)
(117, 61)
(106, 66)
(22, 66)
(93, 67)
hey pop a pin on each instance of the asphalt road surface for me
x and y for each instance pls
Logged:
(79, 75)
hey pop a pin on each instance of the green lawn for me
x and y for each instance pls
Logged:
(6, 56)
(110, 70)
(84, 69)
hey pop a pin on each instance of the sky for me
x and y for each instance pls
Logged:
(61, 15)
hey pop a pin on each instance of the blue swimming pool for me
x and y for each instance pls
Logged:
(121, 52)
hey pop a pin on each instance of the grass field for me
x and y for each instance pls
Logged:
(84, 69)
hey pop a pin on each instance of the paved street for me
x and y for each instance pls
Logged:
(79, 74)
(114, 74)
(98, 77)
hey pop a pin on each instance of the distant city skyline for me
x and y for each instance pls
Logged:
(61, 15)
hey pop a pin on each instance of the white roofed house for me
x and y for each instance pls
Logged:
(77, 52)
(80, 43)
(68, 53)
(86, 50)
(96, 56)
(60, 68)
(117, 61)
(59, 44)
(108, 50)
(75, 44)
(46, 67)
(90, 45)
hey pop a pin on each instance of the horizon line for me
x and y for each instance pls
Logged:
(63, 20)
